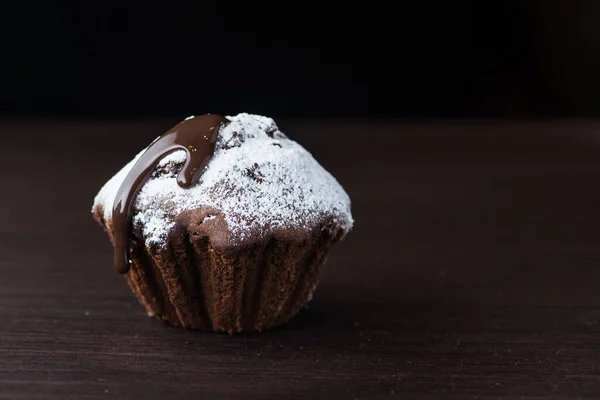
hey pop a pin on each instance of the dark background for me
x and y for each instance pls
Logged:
(512, 58)
(312, 58)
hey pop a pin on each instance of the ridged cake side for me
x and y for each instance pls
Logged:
(190, 283)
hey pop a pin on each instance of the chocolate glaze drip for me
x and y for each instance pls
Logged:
(197, 137)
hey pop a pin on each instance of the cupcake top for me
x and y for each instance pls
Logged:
(258, 182)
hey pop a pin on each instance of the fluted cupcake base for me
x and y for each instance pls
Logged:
(190, 284)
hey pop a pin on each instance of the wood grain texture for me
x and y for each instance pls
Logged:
(472, 272)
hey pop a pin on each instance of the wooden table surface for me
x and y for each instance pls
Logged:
(473, 271)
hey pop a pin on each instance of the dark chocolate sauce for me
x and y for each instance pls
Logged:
(197, 136)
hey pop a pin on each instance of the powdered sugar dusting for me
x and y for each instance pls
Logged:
(258, 179)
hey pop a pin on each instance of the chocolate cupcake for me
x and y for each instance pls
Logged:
(223, 224)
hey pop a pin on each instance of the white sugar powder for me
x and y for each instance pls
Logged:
(257, 179)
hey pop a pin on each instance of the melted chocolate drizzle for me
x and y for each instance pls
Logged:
(197, 137)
